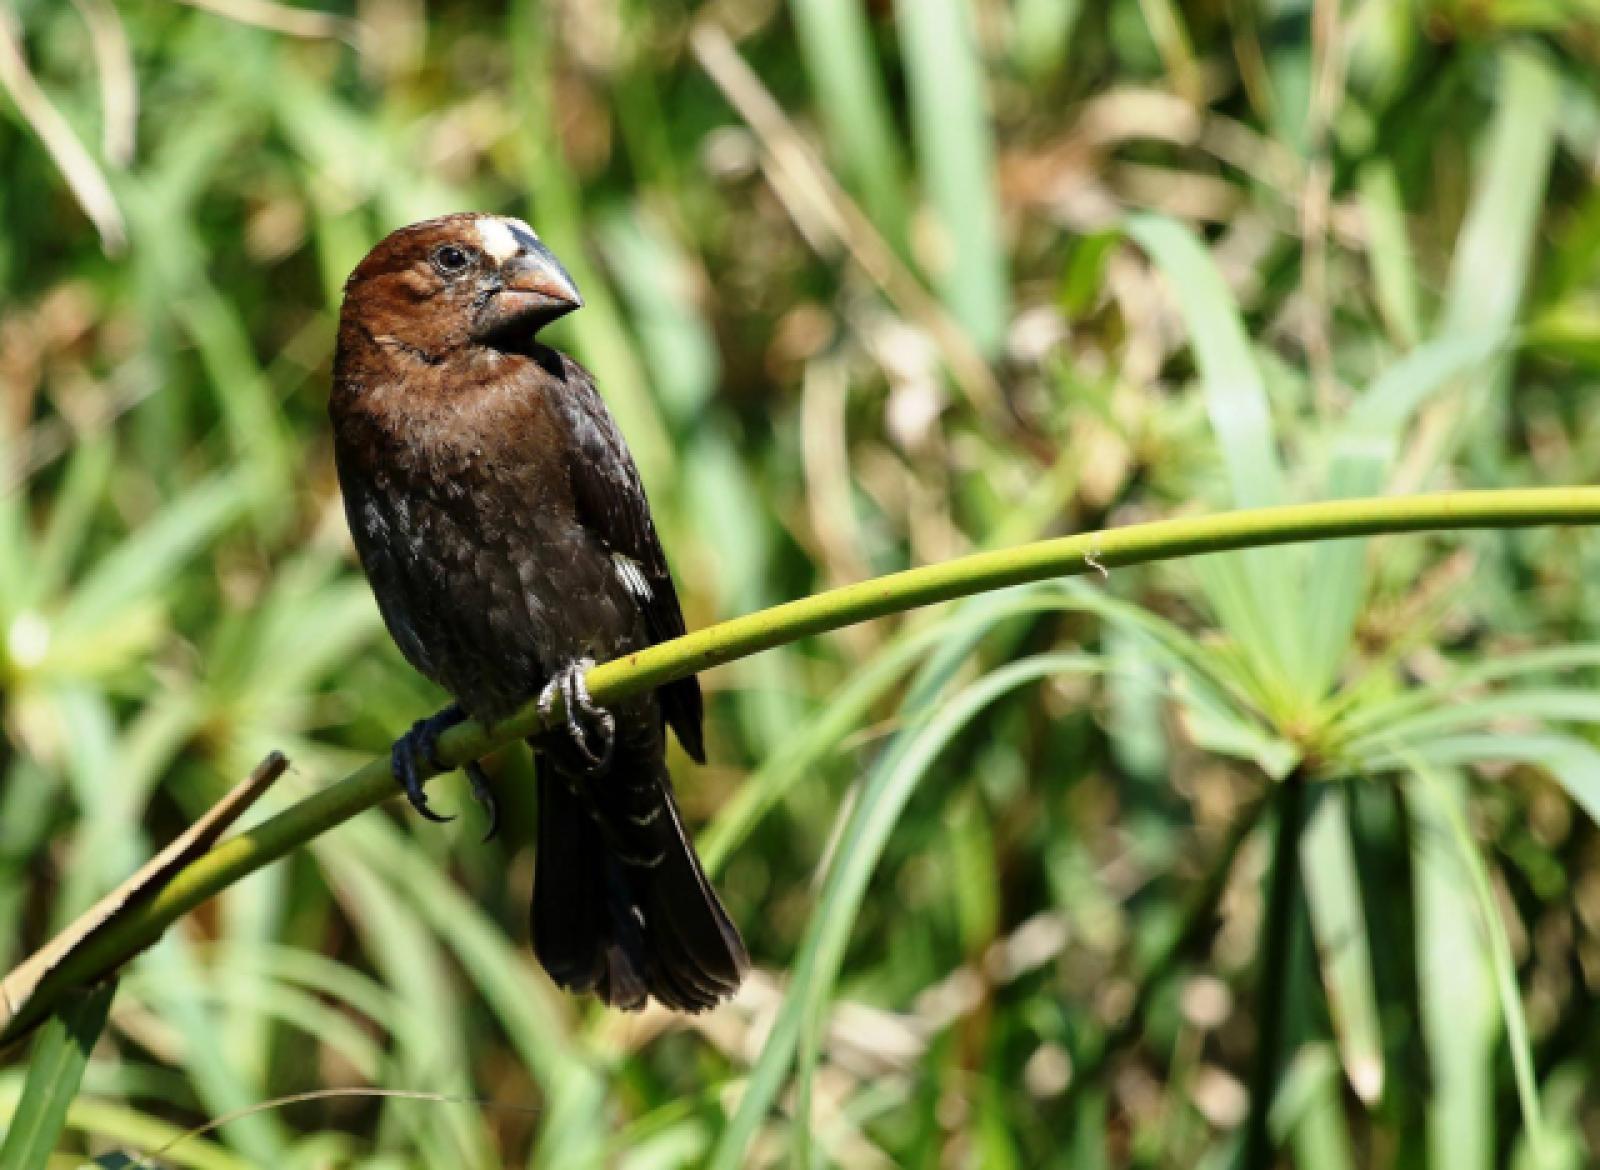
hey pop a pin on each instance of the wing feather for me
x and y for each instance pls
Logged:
(611, 502)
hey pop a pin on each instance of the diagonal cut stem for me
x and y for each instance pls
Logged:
(1067, 556)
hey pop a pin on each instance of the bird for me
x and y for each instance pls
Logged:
(501, 522)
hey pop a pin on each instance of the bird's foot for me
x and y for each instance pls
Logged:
(416, 750)
(484, 795)
(586, 723)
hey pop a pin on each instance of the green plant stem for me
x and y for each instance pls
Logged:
(1136, 544)
(1277, 927)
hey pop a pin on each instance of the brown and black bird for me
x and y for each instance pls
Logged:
(503, 527)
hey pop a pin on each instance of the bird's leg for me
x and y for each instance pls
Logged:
(584, 720)
(419, 747)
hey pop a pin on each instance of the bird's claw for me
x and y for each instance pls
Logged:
(580, 712)
(418, 748)
(403, 762)
(484, 795)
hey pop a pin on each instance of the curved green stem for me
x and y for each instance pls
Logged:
(1136, 544)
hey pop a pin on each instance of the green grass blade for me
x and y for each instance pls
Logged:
(1394, 272)
(1254, 593)
(1136, 699)
(136, 1131)
(1204, 675)
(248, 1025)
(107, 842)
(1494, 252)
(1495, 249)
(1545, 661)
(1236, 395)
(72, 514)
(717, 491)
(573, 1130)
(1362, 454)
(16, 536)
(174, 261)
(258, 996)
(1235, 586)
(658, 284)
(1395, 396)
(60, 1055)
(1216, 697)
(309, 622)
(246, 399)
(1573, 762)
(1308, 1112)
(404, 951)
(1456, 987)
(336, 143)
(792, 760)
(328, 979)
(797, 1029)
(147, 560)
(789, 763)
(1449, 806)
(1546, 704)
(1333, 895)
(1042, 35)
(836, 48)
(175, 985)
(955, 161)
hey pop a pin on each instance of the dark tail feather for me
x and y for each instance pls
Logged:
(623, 909)
(582, 932)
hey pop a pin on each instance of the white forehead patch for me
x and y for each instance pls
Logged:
(498, 235)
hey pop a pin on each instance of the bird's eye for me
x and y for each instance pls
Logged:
(451, 260)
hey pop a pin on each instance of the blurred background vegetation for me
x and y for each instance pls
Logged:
(869, 284)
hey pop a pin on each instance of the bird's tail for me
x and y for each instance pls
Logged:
(621, 906)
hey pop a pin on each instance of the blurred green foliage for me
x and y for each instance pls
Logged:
(868, 284)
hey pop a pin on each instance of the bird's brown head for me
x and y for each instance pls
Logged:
(444, 285)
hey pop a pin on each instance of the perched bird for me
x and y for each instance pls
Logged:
(502, 525)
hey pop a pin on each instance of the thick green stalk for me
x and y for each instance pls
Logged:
(1136, 544)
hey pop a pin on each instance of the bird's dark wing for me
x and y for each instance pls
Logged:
(611, 503)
